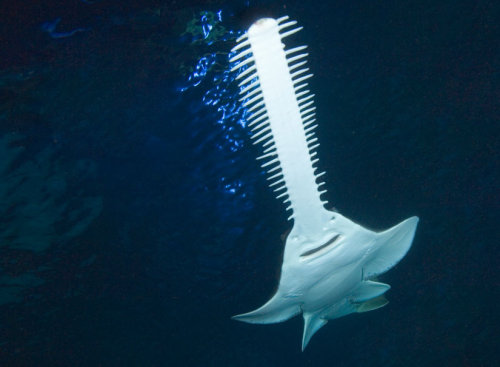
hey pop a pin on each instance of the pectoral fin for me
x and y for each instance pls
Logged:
(391, 246)
(277, 309)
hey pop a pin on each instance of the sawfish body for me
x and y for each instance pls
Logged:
(330, 262)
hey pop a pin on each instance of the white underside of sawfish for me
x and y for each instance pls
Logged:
(330, 262)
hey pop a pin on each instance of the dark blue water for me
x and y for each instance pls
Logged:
(134, 220)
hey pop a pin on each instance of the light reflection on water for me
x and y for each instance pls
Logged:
(212, 74)
(221, 124)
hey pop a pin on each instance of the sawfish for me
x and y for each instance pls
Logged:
(330, 263)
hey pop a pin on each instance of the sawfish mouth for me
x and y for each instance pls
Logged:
(321, 249)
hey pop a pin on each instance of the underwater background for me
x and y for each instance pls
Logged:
(135, 221)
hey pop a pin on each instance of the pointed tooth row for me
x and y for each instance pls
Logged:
(303, 113)
(273, 177)
(290, 32)
(257, 134)
(282, 187)
(257, 105)
(276, 168)
(282, 19)
(321, 184)
(267, 136)
(298, 72)
(307, 117)
(282, 195)
(305, 105)
(305, 77)
(248, 95)
(253, 100)
(250, 86)
(269, 149)
(320, 174)
(300, 94)
(311, 128)
(258, 113)
(310, 135)
(271, 162)
(296, 88)
(261, 125)
(243, 63)
(306, 124)
(305, 98)
(312, 120)
(280, 181)
(258, 119)
(242, 37)
(287, 24)
(299, 64)
(314, 147)
(240, 55)
(295, 58)
(314, 161)
(247, 71)
(240, 45)
(313, 140)
(295, 49)
(264, 156)
(248, 79)
(270, 141)
(255, 118)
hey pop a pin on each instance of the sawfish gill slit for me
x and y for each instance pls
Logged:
(274, 90)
